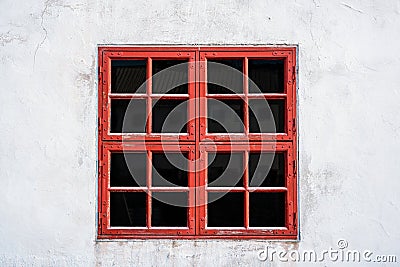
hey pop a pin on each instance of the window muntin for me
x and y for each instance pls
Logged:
(249, 218)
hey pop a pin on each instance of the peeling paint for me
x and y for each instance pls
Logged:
(10, 38)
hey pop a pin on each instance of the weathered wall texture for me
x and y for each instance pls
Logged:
(349, 126)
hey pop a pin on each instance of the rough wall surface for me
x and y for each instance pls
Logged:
(348, 122)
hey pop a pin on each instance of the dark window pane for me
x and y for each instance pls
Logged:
(127, 76)
(225, 116)
(135, 113)
(169, 171)
(267, 75)
(260, 118)
(267, 209)
(258, 169)
(170, 77)
(224, 79)
(127, 209)
(225, 169)
(169, 116)
(121, 175)
(227, 211)
(169, 209)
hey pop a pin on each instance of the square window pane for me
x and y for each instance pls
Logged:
(260, 175)
(225, 116)
(226, 78)
(128, 209)
(225, 169)
(128, 76)
(134, 112)
(266, 76)
(169, 209)
(260, 118)
(225, 210)
(169, 116)
(128, 169)
(169, 169)
(170, 77)
(267, 209)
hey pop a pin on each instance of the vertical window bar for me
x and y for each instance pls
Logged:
(148, 182)
(192, 96)
(105, 180)
(197, 159)
(245, 91)
(192, 194)
(202, 96)
(246, 187)
(203, 188)
(149, 92)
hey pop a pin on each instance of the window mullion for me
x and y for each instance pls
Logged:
(246, 92)
(149, 193)
(246, 186)
(148, 93)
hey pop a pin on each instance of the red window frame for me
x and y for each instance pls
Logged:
(197, 141)
(148, 189)
(107, 55)
(247, 230)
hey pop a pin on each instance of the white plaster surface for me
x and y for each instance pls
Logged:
(348, 123)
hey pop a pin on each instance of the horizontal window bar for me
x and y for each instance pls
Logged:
(225, 189)
(153, 96)
(267, 189)
(225, 96)
(267, 96)
(127, 96)
(127, 189)
(145, 189)
(169, 96)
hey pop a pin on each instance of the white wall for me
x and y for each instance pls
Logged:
(349, 126)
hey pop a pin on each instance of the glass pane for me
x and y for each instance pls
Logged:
(169, 209)
(267, 209)
(258, 169)
(170, 116)
(169, 169)
(121, 175)
(226, 169)
(267, 76)
(224, 79)
(227, 211)
(225, 116)
(170, 77)
(127, 209)
(134, 114)
(128, 76)
(260, 118)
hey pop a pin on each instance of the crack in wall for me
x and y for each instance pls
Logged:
(352, 8)
(46, 6)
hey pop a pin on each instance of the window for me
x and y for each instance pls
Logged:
(197, 142)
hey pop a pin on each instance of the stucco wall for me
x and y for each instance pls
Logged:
(348, 122)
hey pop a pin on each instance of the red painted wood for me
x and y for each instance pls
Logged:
(197, 142)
